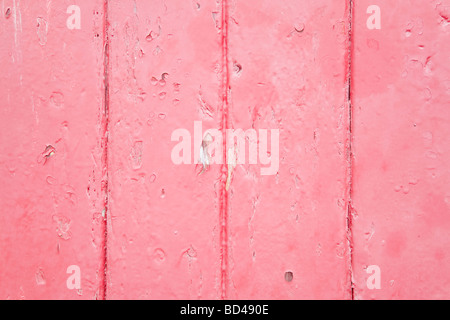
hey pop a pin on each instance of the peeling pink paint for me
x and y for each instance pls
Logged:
(92, 92)
(50, 159)
(401, 212)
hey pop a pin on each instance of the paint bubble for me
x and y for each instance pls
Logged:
(42, 31)
(152, 178)
(51, 180)
(151, 36)
(154, 81)
(191, 252)
(136, 155)
(63, 227)
(57, 100)
(159, 255)
(299, 26)
(40, 278)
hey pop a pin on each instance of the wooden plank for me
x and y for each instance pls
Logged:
(50, 159)
(401, 217)
(164, 226)
(287, 231)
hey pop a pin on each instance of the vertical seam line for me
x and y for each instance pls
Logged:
(224, 169)
(105, 154)
(349, 218)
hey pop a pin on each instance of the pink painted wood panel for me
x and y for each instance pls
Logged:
(92, 115)
(50, 160)
(288, 71)
(163, 225)
(400, 93)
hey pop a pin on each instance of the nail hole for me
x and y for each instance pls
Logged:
(289, 276)
(237, 68)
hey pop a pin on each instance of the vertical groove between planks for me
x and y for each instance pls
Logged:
(349, 218)
(223, 197)
(105, 141)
